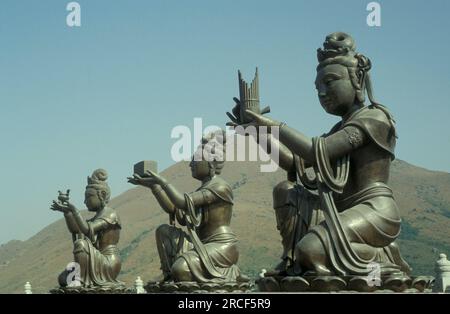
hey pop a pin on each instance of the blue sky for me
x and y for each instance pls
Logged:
(107, 94)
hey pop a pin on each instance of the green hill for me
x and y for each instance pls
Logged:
(423, 197)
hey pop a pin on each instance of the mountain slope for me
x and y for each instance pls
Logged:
(423, 197)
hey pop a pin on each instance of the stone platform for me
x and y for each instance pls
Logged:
(94, 290)
(198, 287)
(344, 284)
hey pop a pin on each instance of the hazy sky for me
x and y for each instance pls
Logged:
(107, 94)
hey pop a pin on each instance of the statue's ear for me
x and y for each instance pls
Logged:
(212, 169)
(101, 194)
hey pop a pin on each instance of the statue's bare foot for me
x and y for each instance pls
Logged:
(164, 277)
(279, 270)
(320, 270)
(275, 272)
(242, 278)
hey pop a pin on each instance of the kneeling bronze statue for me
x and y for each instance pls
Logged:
(95, 240)
(206, 252)
(344, 222)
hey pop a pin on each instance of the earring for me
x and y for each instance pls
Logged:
(102, 200)
(360, 95)
(212, 170)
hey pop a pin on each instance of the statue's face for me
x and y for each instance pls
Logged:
(335, 90)
(199, 169)
(92, 200)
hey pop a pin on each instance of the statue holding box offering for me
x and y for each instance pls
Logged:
(207, 251)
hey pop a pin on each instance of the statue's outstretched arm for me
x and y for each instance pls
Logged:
(71, 223)
(338, 144)
(75, 223)
(62, 205)
(200, 198)
(163, 199)
(174, 196)
(82, 224)
(297, 142)
(268, 143)
(160, 195)
(285, 156)
(89, 228)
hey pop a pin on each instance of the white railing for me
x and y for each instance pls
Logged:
(442, 269)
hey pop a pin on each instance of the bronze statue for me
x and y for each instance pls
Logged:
(207, 251)
(345, 219)
(95, 240)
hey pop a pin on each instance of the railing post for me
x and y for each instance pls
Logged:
(442, 269)
(139, 285)
(28, 288)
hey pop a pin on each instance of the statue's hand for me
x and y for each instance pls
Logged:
(61, 207)
(235, 117)
(260, 120)
(138, 180)
(156, 178)
(71, 207)
(151, 178)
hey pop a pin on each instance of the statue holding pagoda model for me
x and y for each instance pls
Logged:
(344, 219)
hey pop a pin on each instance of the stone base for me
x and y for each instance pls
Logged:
(90, 290)
(394, 283)
(198, 287)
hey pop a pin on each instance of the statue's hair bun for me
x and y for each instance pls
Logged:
(339, 40)
(336, 44)
(98, 181)
(213, 148)
(100, 175)
(217, 136)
